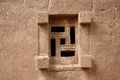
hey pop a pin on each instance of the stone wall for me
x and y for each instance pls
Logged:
(19, 38)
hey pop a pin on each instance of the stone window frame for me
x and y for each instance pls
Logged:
(43, 59)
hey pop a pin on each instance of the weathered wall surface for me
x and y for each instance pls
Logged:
(19, 38)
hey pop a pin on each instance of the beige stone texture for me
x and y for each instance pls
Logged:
(20, 43)
(85, 61)
(42, 62)
(84, 17)
(43, 40)
(43, 17)
(69, 6)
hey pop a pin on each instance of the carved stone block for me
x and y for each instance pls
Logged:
(43, 62)
(43, 17)
(84, 17)
(85, 61)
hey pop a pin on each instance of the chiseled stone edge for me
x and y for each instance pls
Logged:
(42, 62)
(84, 17)
(85, 61)
(43, 17)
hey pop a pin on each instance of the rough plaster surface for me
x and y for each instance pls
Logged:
(19, 39)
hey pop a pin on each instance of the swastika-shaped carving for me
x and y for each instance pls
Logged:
(62, 41)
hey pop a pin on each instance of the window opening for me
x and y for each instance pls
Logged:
(62, 41)
(72, 35)
(57, 29)
(67, 53)
(53, 47)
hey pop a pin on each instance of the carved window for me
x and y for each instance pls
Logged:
(63, 40)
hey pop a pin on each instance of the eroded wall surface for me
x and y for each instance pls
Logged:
(19, 39)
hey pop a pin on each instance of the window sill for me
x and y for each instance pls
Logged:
(70, 67)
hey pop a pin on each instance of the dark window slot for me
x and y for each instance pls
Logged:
(53, 47)
(62, 41)
(67, 53)
(57, 29)
(72, 35)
